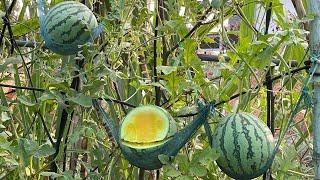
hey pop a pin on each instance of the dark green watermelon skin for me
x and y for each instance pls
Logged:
(68, 25)
(245, 144)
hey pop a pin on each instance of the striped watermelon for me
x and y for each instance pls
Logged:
(68, 25)
(245, 144)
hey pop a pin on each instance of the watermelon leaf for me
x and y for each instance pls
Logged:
(198, 170)
(82, 100)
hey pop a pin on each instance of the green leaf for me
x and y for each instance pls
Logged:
(183, 162)
(4, 108)
(52, 95)
(47, 96)
(25, 148)
(167, 69)
(10, 161)
(93, 86)
(25, 26)
(208, 155)
(249, 12)
(229, 88)
(264, 58)
(164, 159)
(78, 131)
(148, 85)
(82, 100)
(208, 40)
(186, 110)
(25, 100)
(198, 170)
(172, 172)
(2, 13)
(294, 52)
(8, 61)
(184, 178)
(189, 56)
(51, 174)
(44, 150)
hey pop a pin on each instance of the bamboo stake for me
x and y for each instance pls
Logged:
(314, 8)
(298, 5)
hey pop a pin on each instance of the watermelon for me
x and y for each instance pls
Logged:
(143, 135)
(245, 145)
(68, 25)
(147, 126)
(149, 131)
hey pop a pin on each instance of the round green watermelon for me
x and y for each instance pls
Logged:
(68, 25)
(143, 134)
(245, 145)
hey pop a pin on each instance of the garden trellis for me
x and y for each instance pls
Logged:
(186, 133)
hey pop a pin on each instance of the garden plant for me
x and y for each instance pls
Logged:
(160, 89)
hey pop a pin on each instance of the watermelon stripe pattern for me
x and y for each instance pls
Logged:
(68, 25)
(245, 145)
(60, 8)
(53, 27)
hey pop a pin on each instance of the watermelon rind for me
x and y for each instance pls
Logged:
(138, 140)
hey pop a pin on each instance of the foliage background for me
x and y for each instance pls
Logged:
(120, 67)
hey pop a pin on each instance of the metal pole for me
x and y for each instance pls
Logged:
(270, 95)
(270, 100)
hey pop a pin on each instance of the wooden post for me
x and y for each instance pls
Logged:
(314, 8)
